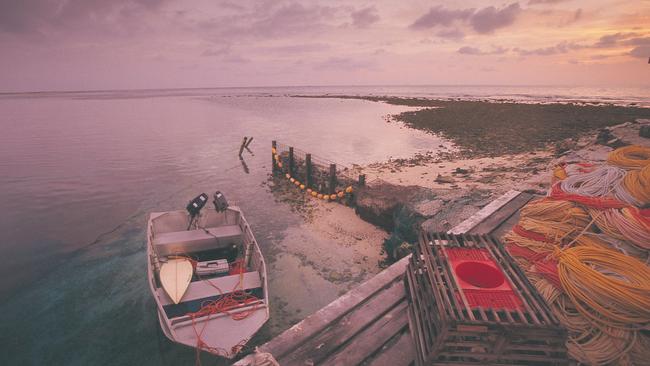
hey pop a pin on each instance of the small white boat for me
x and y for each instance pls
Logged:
(207, 275)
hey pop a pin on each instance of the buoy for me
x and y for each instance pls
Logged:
(280, 164)
(302, 186)
(333, 197)
(287, 175)
(349, 189)
(313, 193)
(277, 158)
(309, 190)
(292, 180)
(341, 194)
(320, 196)
(296, 183)
(273, 150)
(326, 197)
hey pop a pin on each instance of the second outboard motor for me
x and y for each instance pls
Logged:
(220, 202)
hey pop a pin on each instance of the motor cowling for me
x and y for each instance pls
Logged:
(220, 202)
(195, 205)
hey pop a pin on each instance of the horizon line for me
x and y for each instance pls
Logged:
(318, 86)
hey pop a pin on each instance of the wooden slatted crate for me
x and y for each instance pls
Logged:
(449, 329)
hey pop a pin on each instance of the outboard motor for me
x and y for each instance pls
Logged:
(195, 206)
(220, 202)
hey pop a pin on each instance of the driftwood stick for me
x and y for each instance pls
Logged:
(243, 144)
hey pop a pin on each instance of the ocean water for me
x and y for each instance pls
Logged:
(79, 172)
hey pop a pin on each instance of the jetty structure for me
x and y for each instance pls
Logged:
(370, 324)
(568, 282)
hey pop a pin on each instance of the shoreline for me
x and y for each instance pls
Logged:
(491, 129)
(441, 187)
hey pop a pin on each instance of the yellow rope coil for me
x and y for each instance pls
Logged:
(637, 183)
(630, 157)
(617, 295)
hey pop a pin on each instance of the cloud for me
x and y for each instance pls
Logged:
(455, 34)
(485, 20)
(300, 48)
(343, 64)
(537, 2)
(577, 15)
(489, 19)
(560, 48)
(612, 40)
(441, 16)
(215, 53)
(269, 21)
(35, 16)
(640, 52)
(364, 17)
(638, 41)
(467, 50)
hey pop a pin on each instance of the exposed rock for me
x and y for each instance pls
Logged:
(445, 179)
(428, 208)
(379, 203)
(644, 131)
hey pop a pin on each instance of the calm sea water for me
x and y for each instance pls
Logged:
(80, 171)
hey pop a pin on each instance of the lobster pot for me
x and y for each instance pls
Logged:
(469, 303)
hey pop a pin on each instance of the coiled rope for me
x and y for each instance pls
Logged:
(608, 288)
(637, 184)
(584, 246)
(630, 157)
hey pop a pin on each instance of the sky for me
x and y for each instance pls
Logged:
(147, 44)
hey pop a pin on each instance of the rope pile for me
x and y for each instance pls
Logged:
(586, 248)
(236, 298)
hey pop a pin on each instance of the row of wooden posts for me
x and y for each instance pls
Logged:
(331, 187)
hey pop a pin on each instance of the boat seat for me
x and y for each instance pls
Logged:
(203, 289)
(184, 242)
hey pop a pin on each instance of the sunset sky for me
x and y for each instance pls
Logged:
(127, 44)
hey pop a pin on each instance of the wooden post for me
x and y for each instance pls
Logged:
(308, 168)
(362, 180)
(291, 161)
(241, 148)
(249, 142)
(274, 168)
(332, 187)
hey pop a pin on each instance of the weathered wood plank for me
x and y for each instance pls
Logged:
(484, 213)
(324, 344)
(315, 323)
(493, 221)
(372, 338)
(398, 353)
